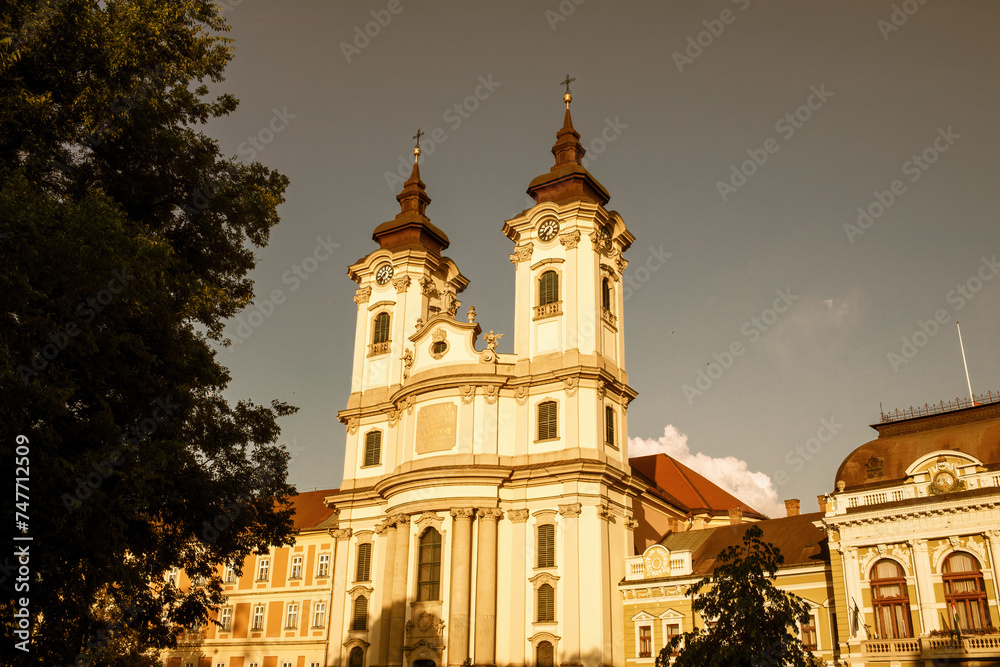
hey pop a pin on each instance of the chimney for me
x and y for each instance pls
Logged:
(792, 507)
(822, 502)
(735, 516)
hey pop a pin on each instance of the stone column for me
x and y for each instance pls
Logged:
(518, 578)
(925, 588)
(608, 586)
(849, 557)
(461, 566)
(397, 615)
(387, 543)
(570, 586)
(486, 588)
(338, 594)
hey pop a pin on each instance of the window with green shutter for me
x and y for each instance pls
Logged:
(360, 620)
(548, 288)
(381, 334)
(547, 545)
(609, 425)
(548, 420)
(364, 568)
(373, 448)
(546, 604)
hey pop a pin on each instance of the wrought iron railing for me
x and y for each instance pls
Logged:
(937, 408)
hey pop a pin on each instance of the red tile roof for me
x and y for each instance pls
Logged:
(310, 510)
(694, 492)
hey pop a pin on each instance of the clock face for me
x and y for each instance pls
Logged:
(548, 230)
(384, 274)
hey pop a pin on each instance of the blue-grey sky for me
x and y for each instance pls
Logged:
(739, 137)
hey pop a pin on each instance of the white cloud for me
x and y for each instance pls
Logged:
(729, 472)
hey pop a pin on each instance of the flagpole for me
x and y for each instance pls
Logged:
(965, 363)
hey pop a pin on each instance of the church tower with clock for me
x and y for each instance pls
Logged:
(487, 504)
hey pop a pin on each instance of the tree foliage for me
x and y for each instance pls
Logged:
(756, 622)
(126, 239)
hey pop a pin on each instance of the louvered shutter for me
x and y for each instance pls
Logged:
(547, 545)
(381, 328)
(546, 604)
(548, 417)
(609, 425)
(364, 562)
(373, 448)
(360, 613)
(548, 288)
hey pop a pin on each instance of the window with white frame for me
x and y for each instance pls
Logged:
(319, 615)
(296, 572)
(808, 634)
(229, 576)
(172, 574)
(258, 617)
(323, 569)
(645, 641)
(226, 618)
(286, 664)
(671, 629)
(263, 568)
(292, 616)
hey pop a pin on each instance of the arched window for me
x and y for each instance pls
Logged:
(364, 568)
(544, 655)
(360, 619)
(609, 425)
(890, 599)
(547, 545)
(373, 448)
(548, 288)
(429, 572)
(546, 604)
(381, 328)
(357, 657)
(606, 294)
(964, 591)
(548, 420)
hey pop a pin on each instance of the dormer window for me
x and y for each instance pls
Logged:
(380, 335)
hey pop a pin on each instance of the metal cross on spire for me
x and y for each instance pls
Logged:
(416, 148)
(568, 97)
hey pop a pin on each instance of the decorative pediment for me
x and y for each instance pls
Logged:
(642, 616)
(671, 614)
(429, 520)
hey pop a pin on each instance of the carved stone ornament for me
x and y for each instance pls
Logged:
(407, 363)
(439, 335)
(517, 516)
(489, 513)
(409, 403)
(463, 513)
(352, 425)
(427, 288)
(401, 283)
(656, 561)
(605, 513)
(569, 240)
(491, 392)
(571, 511)
(875, 467)
(571, 385)
(424, 625)
(601, 390)
(362, 294)
(393, 415)
(881, 548)
(621, 263)
(341, 534)
(993, 534)
(468, 393)
(521, 394)
(472, 315)
(430, 519)
(522, 253)
(420, 324)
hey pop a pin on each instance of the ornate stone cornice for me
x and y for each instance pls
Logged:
(517, 516)
(489, 513)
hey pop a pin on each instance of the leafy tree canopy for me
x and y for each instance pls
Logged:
(126, 240)
(756, 622)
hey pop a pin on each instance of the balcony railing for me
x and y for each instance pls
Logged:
(548, 310)
(609, 317)
(937, 408)
(379, 348)
(934, 648)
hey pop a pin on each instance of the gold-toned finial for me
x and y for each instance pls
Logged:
(416, 148)
(568, 97)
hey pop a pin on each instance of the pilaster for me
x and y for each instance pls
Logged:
(461, 565)
(486, 588)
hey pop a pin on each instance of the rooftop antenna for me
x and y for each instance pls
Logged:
(962, 346)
